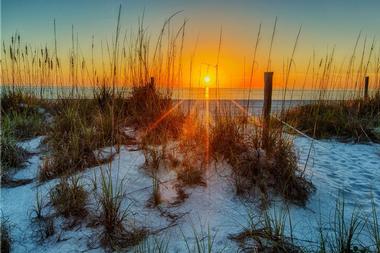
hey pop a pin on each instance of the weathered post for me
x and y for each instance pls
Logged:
(268, 83)
(152, 81)
(366, 83)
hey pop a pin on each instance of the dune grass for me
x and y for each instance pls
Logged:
(343, 231)
(254, 169)
(80, 127)
(153, 159)
(24, 126)
(6, 236)
(152, 245)
(69, 197)
(267, 232)
(204, 241)
(43, 225)
(12, 156)
(23, 113)
(117, 234)
(156, 112)
(71, 141)
(21, 119)
(374, 227)
(347, 231)
(352, 120)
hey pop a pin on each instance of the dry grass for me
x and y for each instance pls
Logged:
(287, 178)
(112, 217)
(374, 227)
(69, 197)
(14, 99)
(79, 128)
(153, 159)
(204, 241)
(43, 225)
(266, 232)
(155, 112)
(146, 104)
(192, 153)
(255, 169)
(23, 113)
(12, 156)
(342, 233)
(20, 120)
(191, 177)
(6, 237)
(346, 120)
(152, 245)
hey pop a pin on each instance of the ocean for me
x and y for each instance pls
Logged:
(235, 100)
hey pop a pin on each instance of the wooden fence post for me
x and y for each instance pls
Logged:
(366, 83)
(152, 81)
(268, 83)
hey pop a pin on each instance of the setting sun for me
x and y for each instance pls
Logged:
(207, 80)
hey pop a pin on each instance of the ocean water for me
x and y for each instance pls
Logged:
(232, 100)
(196, 93)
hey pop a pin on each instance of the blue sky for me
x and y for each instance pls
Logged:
(325, 21)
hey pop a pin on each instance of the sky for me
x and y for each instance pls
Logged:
(326, 24)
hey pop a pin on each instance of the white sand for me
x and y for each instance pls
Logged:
(351, 168)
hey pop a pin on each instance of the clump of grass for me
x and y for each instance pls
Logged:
(146, 104)
(374, 227)
(192, 150)
(343, 233)
(227, 138)
(23, 113)
(44, 225)
(150, 109)
(6, 237)
(69, 197)
(111, 214)
(346, 120)
(44, 228)
(266, 233)
(254, 169)
(20, 120)
(79, 128)
(228, 142)
(12, 156)
(112, 217)
(287, 178)
(153, 158)
(71, 142)
(152, 245)
(191, 176)
(204, 241)
(15, 100)
(24, 126)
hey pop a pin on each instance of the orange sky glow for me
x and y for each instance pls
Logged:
(324, 53)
